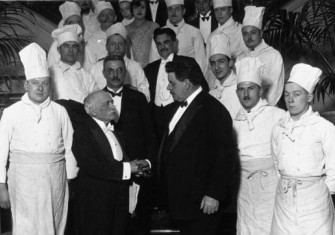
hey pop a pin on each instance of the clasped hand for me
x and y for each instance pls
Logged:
(140, 167)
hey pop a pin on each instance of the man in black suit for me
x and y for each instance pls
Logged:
(157, 12)
(102, 187)
(204, 18)
(135, 127)
(166, 43)
(196, 154)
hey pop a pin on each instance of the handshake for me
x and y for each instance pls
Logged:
(140, 167)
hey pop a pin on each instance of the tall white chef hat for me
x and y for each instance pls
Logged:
(174, 2)
(305, 76)
(219, 44)
(68, 9)
(67, 33)
(222, 3)
(102, 5)
(253, 16)
(34, 61)
(117, 28)
(249, 69)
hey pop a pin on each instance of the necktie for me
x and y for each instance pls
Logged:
(183, 104)
(205, 18)
(114, 93)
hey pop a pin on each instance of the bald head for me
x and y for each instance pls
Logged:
(99, 104)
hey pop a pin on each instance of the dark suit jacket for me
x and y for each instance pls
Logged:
(197, 157)
(196, 22)
(135, 125)
(99, 189)
(151, 72)
(161, 15)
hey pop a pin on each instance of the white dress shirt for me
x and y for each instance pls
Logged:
(181, 110)
(163, 96)
(226, 94)
(115, 146)
(190, 43)
(305, 148)
(117, 100)
(205, 26)
(153, 9)
(254, 129)
(71, 82)
(135, 76)
(274, 73)
(45, 128)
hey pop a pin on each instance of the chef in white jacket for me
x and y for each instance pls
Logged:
(253, 125)
(221, 65)
(69, 80)
(274, 73)
(36, 138)
(304, 153)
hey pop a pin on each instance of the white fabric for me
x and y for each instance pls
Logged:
(181, 110)
(95, 49)
(174, 2)
(117, 100)
(222, 3)
(102, 5)
(305, 76)
(190, 43)
(219, 44)
(226, 94)
(67, 33)
(117, 28)
(34, 61)
(71, 82)
(27, 127)
(125, 1)
(249, 69)
(153, 9)
(115, 146)
(68, 9)
(274, 73)
(253, 16)
(205, 27)
(135, 76)
(126, 22)
(163, 96)
(305, 147)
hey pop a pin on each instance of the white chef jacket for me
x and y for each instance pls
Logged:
(274, 73)
(135, 76)
(226, 94)
(305, 148)
(95, 49)
(126, 22)
(44, 128)
(190, 43)
(71, 82)
(254, 130)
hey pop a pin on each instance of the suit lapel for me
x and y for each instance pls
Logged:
(185, 120)
(197, 22)
(214, 23)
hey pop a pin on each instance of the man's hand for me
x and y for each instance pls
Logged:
(144, 165)
(4, 196)
(209, 205)
(134, 166)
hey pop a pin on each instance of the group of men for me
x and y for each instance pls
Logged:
(194, 120)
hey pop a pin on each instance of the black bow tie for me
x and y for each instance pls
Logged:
(183, 104)
(175, 25)
(204, 18)
(114, 93)
(153, 2)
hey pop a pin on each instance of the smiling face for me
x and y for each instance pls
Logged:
(38, 89)
(252, 36)
(221, 66)
(249, 94)
(297, 100)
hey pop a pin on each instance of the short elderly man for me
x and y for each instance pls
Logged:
(274, 73)
(196, 152)
(117, 45)
(70, 81)
(102, 187)
(253, 125)
(36, 133)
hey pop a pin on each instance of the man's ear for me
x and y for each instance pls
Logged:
(58, 49)
(261, 91)
(310, 98)
(187, 84)
(184, 11)
(25, 85)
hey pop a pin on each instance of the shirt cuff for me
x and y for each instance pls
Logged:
(126, 171)
(148, 163)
